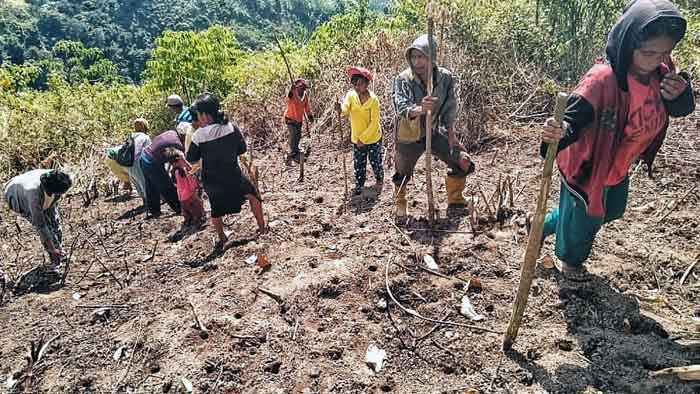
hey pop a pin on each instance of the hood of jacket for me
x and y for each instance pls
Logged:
(625, 34)
(421, 44)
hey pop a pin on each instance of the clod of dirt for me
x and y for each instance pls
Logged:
(210, 366)
(381, 304)
(273, 367)
(475, 284)
(533, 354)
(526, 377)
(167, 385)
(565, 345)
(315, 373)
(101, 315)
(334, 353)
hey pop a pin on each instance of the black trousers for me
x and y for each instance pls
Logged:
(158, 184)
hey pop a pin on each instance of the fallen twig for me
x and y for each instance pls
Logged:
(153, 253)
(678, 203)
(113, 306)
(272, 295)
(690, 268)
(198, 323)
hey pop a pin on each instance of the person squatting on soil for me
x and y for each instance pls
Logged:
(131, 173)
(187, 186)
(34, 195)
(218, 143)
(618, 112)
(362, 107)
(411, 103)
(158, 183)
(298, 105)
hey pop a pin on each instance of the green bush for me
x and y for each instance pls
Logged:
(68, 122)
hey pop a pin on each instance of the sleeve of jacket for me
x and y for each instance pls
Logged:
(684, 104)
(448, 115)
(402, 97)
(39, 219)
(579, 114)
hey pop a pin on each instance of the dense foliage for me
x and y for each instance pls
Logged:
(125, 30)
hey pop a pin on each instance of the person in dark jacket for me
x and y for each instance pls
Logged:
(158, 183)
(35, 195)
(618, 113)
(412, 102)
(218, 143)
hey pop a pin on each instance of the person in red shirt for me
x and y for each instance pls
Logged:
(298, 107)
(187, 186)
(618, 113)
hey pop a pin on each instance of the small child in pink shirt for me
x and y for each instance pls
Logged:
(187, 186)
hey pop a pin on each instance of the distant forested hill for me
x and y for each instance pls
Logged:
(125, 30)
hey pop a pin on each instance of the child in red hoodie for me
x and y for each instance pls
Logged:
(187, 186)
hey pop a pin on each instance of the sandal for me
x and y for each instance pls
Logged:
(572, 273)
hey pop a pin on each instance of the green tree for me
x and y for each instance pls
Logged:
(191, 62)
(84, 64)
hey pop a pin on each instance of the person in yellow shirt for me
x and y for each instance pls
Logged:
(361, 106)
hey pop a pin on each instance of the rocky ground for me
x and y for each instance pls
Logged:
(124, 320)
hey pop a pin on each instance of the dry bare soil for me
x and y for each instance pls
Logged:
(330, 270)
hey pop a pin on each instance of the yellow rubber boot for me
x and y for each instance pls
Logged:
(401, 201)
(455, 186)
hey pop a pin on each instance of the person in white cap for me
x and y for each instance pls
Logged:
(177, 106)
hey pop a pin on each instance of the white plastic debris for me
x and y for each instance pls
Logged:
(120, 353)
(468, 310)
(76, 296)
(187, 386)
(430, 262)
(375, 357)
(251, 260)
(10, 383)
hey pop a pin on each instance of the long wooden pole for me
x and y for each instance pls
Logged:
(284, 57)
(345, 168)
(429, 119)
(527, 272)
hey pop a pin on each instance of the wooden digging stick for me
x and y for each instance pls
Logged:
(345, 168)
(429, 119)
(533, 244)
(302, 156)
(284, 57)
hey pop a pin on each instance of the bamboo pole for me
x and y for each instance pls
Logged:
(429, 119)
(345, 168)
(527, 272)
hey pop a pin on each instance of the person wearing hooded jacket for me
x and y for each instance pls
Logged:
(411, 104)
(618, 113)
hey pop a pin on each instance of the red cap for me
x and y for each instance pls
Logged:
(359, 71)
(300, 83)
